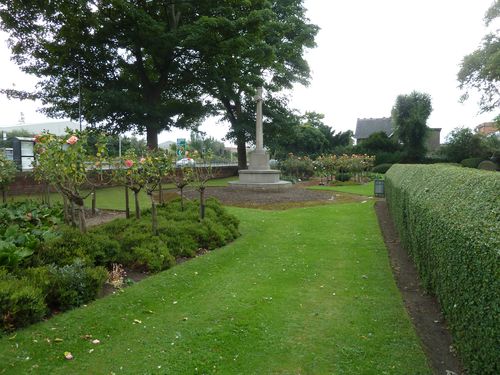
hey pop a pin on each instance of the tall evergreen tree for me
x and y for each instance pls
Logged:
(410, 114)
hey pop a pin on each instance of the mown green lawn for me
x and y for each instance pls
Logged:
(113, 198)
(364, 189)
(303, 291)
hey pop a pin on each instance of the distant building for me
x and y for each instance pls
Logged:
(487, 128)
(166, 145)
(56, 127)
(367, 126)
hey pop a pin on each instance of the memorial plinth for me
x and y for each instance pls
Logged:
(259, 175)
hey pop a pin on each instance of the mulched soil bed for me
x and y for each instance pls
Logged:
(295, 196)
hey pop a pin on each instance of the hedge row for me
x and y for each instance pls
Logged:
(448, 219)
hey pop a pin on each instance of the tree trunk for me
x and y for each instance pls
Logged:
(152, 138)
(48, 196)
(66, 213)
(73, 217)
(242, 152)
(93, 203)
(202, 203)
(137, 208)
(182, 198)
(154, 215)
(127, 204)
(82, 224)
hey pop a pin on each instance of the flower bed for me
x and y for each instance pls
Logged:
(68, 268)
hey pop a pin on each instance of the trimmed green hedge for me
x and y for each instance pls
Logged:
(449, 220)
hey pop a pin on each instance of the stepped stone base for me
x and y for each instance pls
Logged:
(260, 179)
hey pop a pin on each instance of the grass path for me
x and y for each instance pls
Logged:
(365, 189)
(303, 291)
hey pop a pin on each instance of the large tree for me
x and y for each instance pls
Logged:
(151, 65)
(127, 57)
(257, 43)
(480, 70)
(409, 115)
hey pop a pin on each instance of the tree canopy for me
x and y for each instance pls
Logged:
(410, 114)
(308, 135)
(461, 144)
(258, 43)
(149, 66)
(480, 70)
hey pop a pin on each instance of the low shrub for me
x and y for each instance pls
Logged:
(342, 176)
(74, 284)
(180, 234)
(20, 303)
(487, 165)
(471, 162)
(381, 168)
(92, 248)
(298, 168)
(388, 157)
(450, 225)
(151, 255)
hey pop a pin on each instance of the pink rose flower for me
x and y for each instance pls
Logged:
(72, 140)
(128, 163)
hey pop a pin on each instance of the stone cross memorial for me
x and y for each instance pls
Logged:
(259, 175)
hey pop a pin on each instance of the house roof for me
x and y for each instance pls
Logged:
(367, 126)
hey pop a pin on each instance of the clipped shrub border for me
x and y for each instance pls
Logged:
(448, 219)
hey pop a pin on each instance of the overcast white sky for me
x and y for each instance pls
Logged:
(368, 53)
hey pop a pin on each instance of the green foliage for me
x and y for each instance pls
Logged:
(74, 284)
(471, 162)
(343, 176)
(388, 157)
(488, 165)
(409, 115)
(307, 136)
(91, 247)
(297, 168)
(20, 303)
(378, 142)
(381, 168)
(163, 60)
(455, 248)
(462, 144)
(255, 41)
(7, 171)
(480, 69)
(67, 163)
(68, 286)
(180, 234)
(23, 227)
